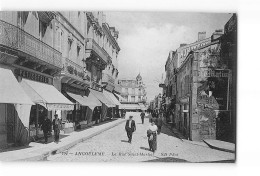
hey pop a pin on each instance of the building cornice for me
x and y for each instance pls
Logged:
(111, 38)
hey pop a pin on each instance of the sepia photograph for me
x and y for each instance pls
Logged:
(118, 86)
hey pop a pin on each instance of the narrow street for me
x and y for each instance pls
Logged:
(112, 145)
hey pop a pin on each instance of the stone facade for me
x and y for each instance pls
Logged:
(198, 84)
(69, 50)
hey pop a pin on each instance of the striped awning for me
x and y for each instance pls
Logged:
(91, 101)
(101, 97)
(10, 90)
(111, 96)
(46, 95)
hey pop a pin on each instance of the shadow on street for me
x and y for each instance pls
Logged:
(124, 141)
(50, 139)
(14, 148)
(144, 148)
(168, 131)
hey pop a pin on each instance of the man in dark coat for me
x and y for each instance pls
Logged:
(159, 123)
(142, 116)
(56, 127)
(130, 128)
(46, 128)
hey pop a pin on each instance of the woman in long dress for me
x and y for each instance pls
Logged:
(152, 136)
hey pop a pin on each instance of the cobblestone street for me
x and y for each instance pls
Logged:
(112, 145)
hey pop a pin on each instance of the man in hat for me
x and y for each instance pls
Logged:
(46, 128)
(56, 127)
(142, 116)
(130, 128)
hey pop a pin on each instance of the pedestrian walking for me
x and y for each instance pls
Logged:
(160, 123)
(152, 136)
(56, 127)
(130, 128)
(46, 128)
(142, 116)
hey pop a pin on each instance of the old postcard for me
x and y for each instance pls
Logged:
(104, 86)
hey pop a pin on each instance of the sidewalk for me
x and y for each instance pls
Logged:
(182, 138)
(38, 151)
(221, 145)
(214, 144)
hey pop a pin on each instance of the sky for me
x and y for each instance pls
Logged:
(146, 38)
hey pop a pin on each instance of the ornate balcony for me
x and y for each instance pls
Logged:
(72, 72)
(107, 79)
(93, 48)
(26, 44)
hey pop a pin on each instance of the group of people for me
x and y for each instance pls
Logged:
(154, 129)
(47, 127)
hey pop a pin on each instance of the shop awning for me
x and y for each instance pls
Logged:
(129, 106)
(10, 90)
(91, 101)
(46, 95)
(101, 97)
(142, 106)
(112, 97)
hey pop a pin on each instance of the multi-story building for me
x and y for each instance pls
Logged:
(197, 97)
(28, 49)
(133, 91)
(58, 59)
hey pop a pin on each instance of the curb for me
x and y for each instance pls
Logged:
(218, 148)
(44, 156)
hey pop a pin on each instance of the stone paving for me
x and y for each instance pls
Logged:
(112, 145)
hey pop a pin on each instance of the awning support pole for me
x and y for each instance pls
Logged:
(37, 120)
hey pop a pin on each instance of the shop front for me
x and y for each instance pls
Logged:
(183, 116)
(85, 105)
(48, 100)
(112, 98)
(14, 121)
(107, 105)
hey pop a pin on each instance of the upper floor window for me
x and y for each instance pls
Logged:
(22, 18)
(133, 90)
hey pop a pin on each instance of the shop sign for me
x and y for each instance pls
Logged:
(215, 73)
(32, 76)
(68, 88)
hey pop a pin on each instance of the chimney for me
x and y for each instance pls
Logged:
(218, 33)
(201, 36)
(183, 44)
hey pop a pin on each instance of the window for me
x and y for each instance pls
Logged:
(22, 18)
(78, 52)
(42, 29)
(59, 40)
(133, 90)
(132, 98)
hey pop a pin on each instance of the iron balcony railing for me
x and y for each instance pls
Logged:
(16, 38)
(91, 44)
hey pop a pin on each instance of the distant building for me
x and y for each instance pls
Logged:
(133, 90)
